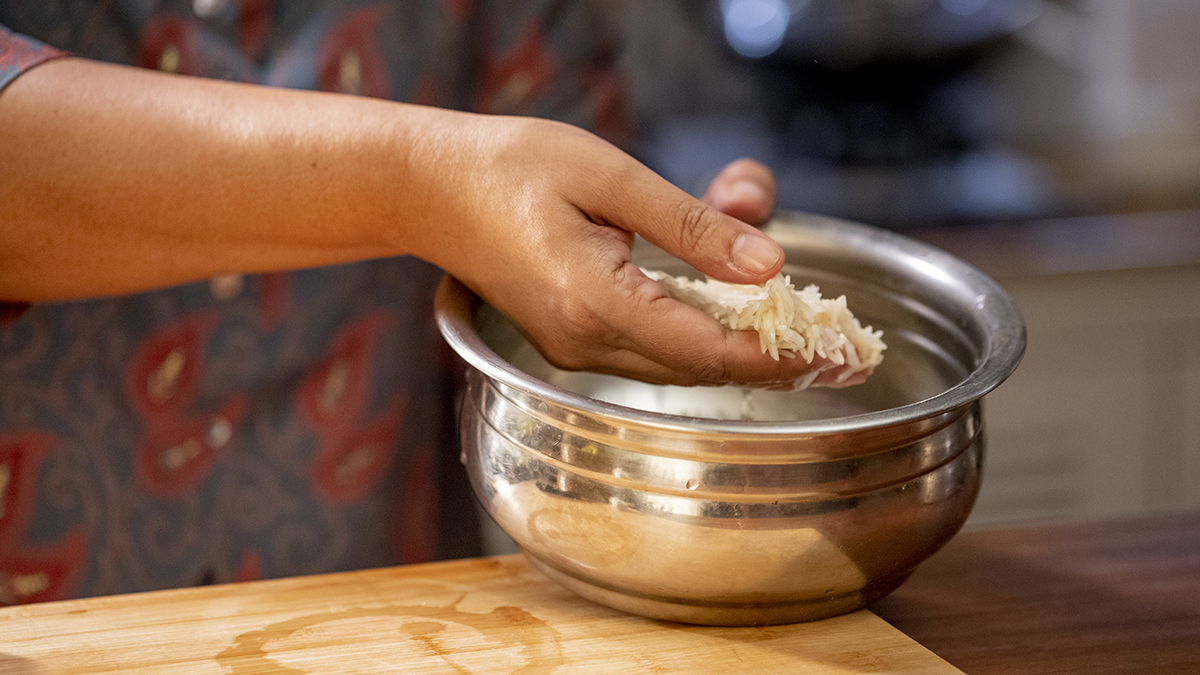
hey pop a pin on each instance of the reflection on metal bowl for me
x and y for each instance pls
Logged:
(690, 505)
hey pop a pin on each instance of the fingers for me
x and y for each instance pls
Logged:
(744, 189)
(667, 342)
(577, 294)
(716, 244)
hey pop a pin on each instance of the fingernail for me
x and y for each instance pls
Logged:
(756, 253)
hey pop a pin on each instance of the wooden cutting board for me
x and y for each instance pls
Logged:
(480, 616)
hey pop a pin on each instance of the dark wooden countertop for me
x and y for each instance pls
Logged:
(1106, 597)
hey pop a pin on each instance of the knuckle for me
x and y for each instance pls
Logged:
(577, 327)
(705, 365)
(712, 371)
(695, 224)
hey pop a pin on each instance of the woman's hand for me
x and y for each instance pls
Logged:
(548, 241)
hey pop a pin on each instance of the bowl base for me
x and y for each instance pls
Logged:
(717, 613)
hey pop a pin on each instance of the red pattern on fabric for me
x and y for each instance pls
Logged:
(157, 391)
(607, 98)
(56, 568)
(352, 452)
(425, 92)
(162, 32)
(354, 34)
(512, 80)
(335, 391)
(11, 311)
(174, 458)
(460, 9)
(250, 568)
(253, 21)
(416, 518)
(179, 447)
(347, 464)
(336, 471)
(274, 293)
(21, 458)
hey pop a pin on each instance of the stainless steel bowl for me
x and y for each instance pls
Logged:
(700, 505)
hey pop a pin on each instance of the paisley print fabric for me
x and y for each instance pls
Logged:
(272, 425)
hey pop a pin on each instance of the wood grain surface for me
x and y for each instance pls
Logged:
(1119, 596)
(489, 615)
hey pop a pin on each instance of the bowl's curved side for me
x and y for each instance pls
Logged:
(699, 552)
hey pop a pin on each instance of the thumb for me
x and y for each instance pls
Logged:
(716, 244)
(720, 246)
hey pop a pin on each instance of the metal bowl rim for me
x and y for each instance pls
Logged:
(455, 306)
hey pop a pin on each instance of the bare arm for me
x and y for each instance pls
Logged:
(117, 179)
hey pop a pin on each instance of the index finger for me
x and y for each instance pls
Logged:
(632, 197)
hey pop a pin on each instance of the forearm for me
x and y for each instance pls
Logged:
(116, 179)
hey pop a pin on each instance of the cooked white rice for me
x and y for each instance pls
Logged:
(789, 322)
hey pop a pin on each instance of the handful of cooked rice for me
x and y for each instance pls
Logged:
(789, 322)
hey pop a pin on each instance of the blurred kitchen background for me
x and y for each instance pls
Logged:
(1053, 143)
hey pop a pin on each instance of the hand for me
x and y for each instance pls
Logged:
(548, 242)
